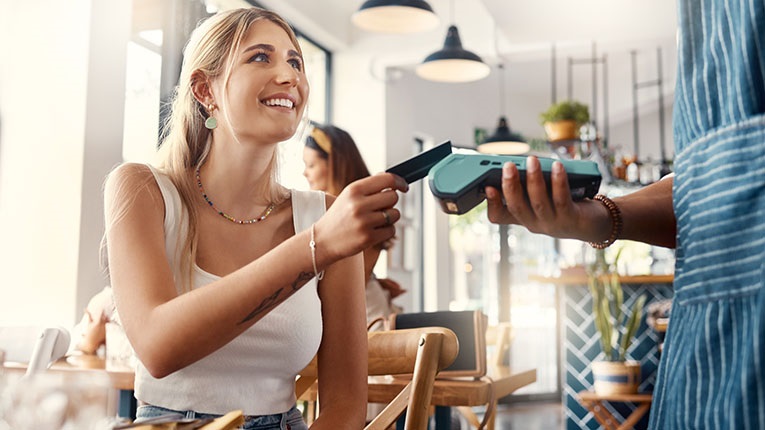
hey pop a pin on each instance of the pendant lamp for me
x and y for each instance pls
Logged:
(453, 63)
(395, 16)
(503, 141)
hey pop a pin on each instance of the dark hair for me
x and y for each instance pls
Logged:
(345, 162)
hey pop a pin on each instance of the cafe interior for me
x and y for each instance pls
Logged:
(82, 85)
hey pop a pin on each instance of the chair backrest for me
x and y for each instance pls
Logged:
(498, 338)
(37, 346)
(420, 352)
(306, 378)
(470, 328)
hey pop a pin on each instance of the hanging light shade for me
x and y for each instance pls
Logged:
(453, 63)
(504, 141)
(395, 16)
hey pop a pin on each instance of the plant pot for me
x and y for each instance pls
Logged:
(616, 377)
(561, 130)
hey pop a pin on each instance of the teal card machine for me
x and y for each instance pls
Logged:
(458, 181)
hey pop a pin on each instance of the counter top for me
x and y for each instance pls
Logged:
(581, 279)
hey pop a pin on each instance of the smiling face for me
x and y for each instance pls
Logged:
(267, 90)
(316, 169)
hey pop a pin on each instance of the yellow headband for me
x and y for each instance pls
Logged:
(322, 139)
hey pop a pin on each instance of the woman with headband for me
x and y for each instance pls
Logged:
(332, 161)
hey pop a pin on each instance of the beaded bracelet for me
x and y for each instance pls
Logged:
(616, 222)
(312, 245)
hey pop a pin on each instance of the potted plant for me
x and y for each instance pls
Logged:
(614, 374)
(562, 120)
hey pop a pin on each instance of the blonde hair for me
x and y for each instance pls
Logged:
(210, 50)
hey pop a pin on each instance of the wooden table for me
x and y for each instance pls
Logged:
(121, 379)
(594, 403)
(501, 382)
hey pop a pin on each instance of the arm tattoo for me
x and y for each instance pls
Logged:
(301, 280)
(273, 299)
(267, 303)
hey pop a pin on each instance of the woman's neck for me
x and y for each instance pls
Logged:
(238, 178)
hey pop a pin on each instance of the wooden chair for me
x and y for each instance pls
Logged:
(306, 390)
(498, 337)
(470, 328)
(476, 338)
(421, 353)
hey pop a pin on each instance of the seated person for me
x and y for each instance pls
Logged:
(89, 335)
(332, 161)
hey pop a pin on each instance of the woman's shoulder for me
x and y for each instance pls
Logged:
(130, 173)
(130, 179)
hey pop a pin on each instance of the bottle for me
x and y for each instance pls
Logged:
(633, 172)
(646, 175)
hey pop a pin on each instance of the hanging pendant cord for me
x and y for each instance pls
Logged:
(501, 67)
(502, 88)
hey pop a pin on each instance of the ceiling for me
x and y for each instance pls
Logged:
(604, 21)
(521, 25)
(519, 33)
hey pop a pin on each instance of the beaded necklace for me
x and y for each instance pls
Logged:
(262, 216)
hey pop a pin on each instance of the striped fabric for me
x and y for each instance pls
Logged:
(712, 372)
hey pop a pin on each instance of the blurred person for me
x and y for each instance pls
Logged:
(227, 284)
(89, 334)
(332, 162)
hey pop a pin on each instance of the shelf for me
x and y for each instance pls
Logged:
(581, 279)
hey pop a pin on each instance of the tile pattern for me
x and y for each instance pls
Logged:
(581, 347)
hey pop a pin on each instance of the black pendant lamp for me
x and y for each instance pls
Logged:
(503, 141)
(453, 63)
(395, 16)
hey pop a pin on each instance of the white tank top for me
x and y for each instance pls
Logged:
(256, 371)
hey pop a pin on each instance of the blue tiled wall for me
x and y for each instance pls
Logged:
(581, 347)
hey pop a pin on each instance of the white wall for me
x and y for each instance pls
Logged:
(51, 138)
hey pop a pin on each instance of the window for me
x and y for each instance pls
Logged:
(482, 280)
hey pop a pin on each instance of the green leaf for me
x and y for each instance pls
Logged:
(608, 328)
(618, 295)
(566, 110)
(632, 325)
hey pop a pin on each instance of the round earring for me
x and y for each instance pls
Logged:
(211, 122)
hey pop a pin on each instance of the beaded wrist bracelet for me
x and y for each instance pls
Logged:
(616, 222)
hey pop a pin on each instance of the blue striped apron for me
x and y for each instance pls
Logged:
(712, 372)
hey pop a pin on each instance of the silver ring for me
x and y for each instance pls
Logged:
(387, 217)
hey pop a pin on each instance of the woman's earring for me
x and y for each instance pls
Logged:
(211, 122)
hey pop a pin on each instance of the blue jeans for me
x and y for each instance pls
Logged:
(290, 420)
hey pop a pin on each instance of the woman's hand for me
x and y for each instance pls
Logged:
(93, 332)
(361, 216)
(558, 216)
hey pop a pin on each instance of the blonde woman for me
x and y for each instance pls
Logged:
(227, 283)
